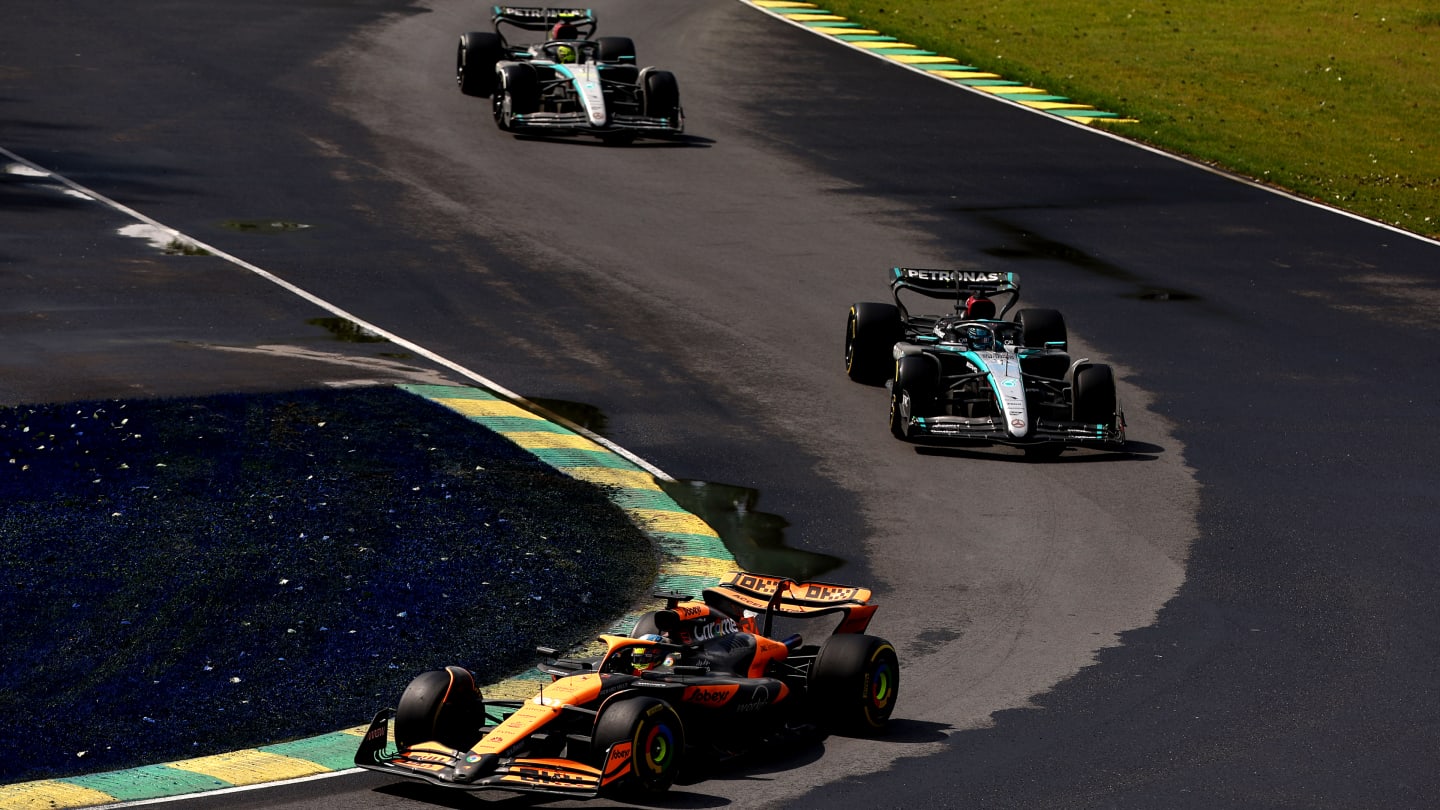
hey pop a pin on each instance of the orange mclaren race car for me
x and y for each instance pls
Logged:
(694, 683)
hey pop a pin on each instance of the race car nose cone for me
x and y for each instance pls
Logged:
(474, 766)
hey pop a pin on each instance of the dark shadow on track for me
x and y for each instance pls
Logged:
(1133, 451)
(679, 142)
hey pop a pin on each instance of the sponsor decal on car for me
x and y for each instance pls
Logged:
(709, 630)
(710, 695)
(961, 276)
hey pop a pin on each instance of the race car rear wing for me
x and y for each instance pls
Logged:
(538, 18)
(782, 596)
(956, 285)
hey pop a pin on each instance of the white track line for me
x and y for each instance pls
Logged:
(35, 170)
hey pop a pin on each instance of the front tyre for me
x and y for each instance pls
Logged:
(854, 684)
(442, 705)
(1093, 397)
(649, 743)
(661, 95)
(518, 95)
(912, 393)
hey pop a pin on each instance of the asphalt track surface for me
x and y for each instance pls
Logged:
(1238, 612)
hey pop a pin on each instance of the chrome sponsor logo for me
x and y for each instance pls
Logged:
(957, 276)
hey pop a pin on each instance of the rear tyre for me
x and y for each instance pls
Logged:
(1093, 396)
(854, 683)
(657, 745)
(645, 626)
(1042, 326)
(1050, 365)
(615, 50)
(871, 333)
(442, 705)
(662, 94)
(475, 61)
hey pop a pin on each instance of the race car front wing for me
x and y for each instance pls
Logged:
(993, 430)
(441, 765)
(580, 122)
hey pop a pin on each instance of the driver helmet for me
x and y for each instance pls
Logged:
(565, 54)
(646, 658)
(979, 338)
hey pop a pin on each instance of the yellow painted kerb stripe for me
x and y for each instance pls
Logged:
(249, 767)
(678, 522)
(924, 60)
(49, 795)
(487, 407)
(1055, 105)
(609, 476)
(551, 441)
(701, 567)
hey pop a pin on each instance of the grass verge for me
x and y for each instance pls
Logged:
(1332, 101)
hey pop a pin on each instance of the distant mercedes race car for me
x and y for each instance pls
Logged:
(696, 682)
(968, 375)
(567, 83)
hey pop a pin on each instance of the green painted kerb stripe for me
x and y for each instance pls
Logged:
(519, 424)
(148, 782)
(562, 457)
(333, 751)
(696, 545)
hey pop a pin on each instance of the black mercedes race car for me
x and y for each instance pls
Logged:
(968, 374)
(566, 83)
(693, 683)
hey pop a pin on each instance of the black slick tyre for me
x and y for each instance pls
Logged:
(657, 745)
(442, 705)
(854, 683)
(1093, 397)
(518, 94)
(871, 332)
(911, 393)
(1041, 327)
(661, 93)
(645, 626)
(615, 50)
(475, 60)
